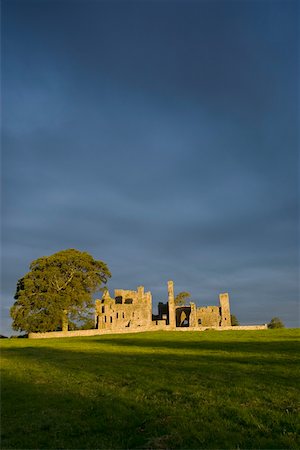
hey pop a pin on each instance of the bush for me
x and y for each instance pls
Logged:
(275, 323)
(234, 321)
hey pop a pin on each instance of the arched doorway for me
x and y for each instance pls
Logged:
(183, 316)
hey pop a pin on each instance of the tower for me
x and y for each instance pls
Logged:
(171, 304)
(225, 310)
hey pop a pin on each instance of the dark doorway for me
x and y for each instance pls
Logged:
(183, 316)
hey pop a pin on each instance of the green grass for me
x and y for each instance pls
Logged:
(160, 390)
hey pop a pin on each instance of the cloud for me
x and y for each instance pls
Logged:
(169, 155)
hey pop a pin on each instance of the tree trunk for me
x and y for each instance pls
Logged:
(65, 324)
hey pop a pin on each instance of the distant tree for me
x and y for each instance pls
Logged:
(88, 324)
(275, 323)
(181, 298)
(234, 321)
(20, 336)
(58, 288)
(85, 323)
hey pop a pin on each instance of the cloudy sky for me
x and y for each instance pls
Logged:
(161, 137)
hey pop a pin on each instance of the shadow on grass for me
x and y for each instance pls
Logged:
(112, 396)
(51, 417)
(290, 346)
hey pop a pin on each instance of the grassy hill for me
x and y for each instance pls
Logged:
(152, 390)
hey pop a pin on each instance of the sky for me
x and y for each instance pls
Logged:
(160, 136)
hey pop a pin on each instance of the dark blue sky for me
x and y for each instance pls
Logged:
(160, 136)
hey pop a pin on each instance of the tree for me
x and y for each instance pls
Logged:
(57, 288)
(181, 298)
(275, 323)
(234, 321)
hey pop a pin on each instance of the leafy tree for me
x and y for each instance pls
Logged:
(181, 298)
(275, 323)
(234, 321)
(57, 289)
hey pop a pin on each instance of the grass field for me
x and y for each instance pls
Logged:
(160, 390)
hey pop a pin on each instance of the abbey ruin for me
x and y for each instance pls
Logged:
(131, 312)
(133, 309)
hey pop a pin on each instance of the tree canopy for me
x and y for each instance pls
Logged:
(181, 298)
(57, 288)
(275, 323)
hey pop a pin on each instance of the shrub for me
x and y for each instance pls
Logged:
(275, 323)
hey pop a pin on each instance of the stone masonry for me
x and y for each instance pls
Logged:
(131, 309)
(127, 309)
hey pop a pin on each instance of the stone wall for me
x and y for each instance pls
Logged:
(208, 316)
(95, 332)
(126, 309)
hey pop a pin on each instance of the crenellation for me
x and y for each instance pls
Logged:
(208, 316)
(126, 309)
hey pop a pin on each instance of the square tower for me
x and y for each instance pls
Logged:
(225, 310)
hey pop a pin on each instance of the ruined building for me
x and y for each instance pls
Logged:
(133, 309)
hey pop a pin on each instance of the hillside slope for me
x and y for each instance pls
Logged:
(152, 390)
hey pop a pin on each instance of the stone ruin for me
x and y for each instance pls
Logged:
(133, 309)
(131, 312)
